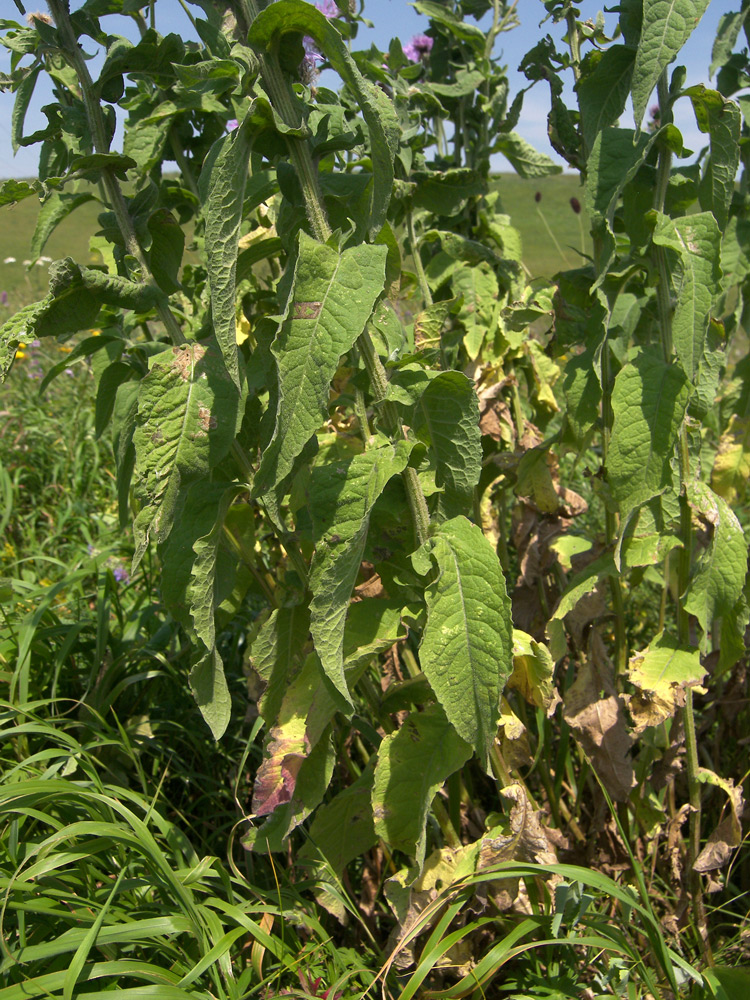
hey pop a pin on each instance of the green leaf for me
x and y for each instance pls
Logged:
(667, 25)
(466, 651)
(341, 498)
(525, 160)
(24, 93)
(372, 627)
(603, 92)
(192, 590)
(695, 274)
(19, 328)
(12, 192)
(223, 192)
(727, 34)
(615, 158)
(447, 417)
(332, 299)
(277, 654)
(722, 120)
(165, 252)
(55, 208)
(343, 828)
(719, 575)
(478, 288)
(298, 16)
(583, 583)
(447, 192)
(412, 765)
(187, 419)
(92, 165)
(649, 402)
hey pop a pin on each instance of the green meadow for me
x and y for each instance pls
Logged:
(551, 232)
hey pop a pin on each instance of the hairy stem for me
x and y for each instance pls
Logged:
(97, 125)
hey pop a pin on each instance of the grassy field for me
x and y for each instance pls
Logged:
(551, 231)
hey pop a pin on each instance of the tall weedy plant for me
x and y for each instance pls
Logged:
(364, 448)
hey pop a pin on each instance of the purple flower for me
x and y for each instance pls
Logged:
(36, 343)
(3, 298)
(418, 48)
(328, 7)
(232, 125)
(121, 574)
(655, 112)
(68, 371)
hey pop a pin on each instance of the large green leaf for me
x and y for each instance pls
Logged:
(720, 573)
(344, 828)
(187, 418)
(443, 411)
(412, 765)
(466, 651)
(727, 34)
(603, 92)
(192, 590)
(722, 120)
(332, 299)
(223, 191)
(667, 25)
(615, 158)
(649, 402)
(341, 498)
(298, 16)
(277, 653)
(478, 288)
(696, 242)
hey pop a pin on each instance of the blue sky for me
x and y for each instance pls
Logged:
(398, 18)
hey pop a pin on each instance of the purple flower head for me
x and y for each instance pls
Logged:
(68, 372)
(232, 125)
(328, 7)
(121, 574)
(418, 48)
(655, 112)
(3, 298)
(35, 343)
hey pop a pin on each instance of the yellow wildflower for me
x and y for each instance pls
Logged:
(21, 346)
(64, 349)
(20, 355)
(96, 333)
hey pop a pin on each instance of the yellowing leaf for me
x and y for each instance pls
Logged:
(731, 469)
(661, 674)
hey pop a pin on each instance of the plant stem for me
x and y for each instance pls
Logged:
(116, 199)
(284, 100)
(419, 269)
(664, 307)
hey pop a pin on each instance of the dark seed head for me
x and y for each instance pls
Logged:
(538, 197)
(575, 205)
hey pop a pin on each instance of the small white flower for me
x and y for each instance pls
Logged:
(27, 263)
(39, 263)
(9, 260)
(46, 260)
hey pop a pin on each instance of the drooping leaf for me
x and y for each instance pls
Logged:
(478, 288)
(719, 576)
(277, 654)
(722, 120)
(603, 92)
(372, 626)
(12, 191)
(332, 299)
(447, 415)
(667, 25)
(649, 402)
(727, 34)
(187, 419)
(223, 191)
(343, 828)
(466, 651)
(55, 208)
(412, 765)
(583, 583)
(192, 589)
(341, 498)
(696, 241)
(165, 253)
(525, 160)
(377, 110)
(533, 672)
(24, 93)
(661, 674)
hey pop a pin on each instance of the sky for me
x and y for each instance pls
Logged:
(397, 18)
